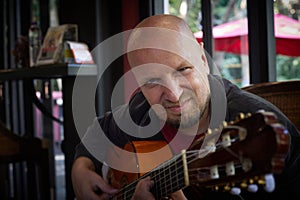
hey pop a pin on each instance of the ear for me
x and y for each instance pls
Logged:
(203, 56)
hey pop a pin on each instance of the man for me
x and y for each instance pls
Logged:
(176, 85)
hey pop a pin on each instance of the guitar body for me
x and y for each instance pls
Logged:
(119, 179)
(236, 156)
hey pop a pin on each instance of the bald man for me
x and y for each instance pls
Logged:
(177, 100)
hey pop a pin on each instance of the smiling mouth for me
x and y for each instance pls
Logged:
(177, 108)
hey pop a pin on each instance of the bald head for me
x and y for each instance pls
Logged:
(158, 34)
(160, 27)
(171, 22)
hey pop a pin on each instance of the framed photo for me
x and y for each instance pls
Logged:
(77, 52)
(52, 48)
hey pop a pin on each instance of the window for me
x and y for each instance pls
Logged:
(230, 31)
(287, 29)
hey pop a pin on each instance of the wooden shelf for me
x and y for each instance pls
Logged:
(48, 71)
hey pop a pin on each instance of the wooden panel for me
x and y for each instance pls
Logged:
(285, 95)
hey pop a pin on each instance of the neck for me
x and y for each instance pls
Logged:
(203, 124)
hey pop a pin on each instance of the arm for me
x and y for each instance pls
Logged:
(87, 184)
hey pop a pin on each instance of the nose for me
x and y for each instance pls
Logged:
(172, 90)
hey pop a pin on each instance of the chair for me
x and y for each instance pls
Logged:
(284, 94)
(24, 167)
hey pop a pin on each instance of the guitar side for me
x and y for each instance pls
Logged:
(120, 179)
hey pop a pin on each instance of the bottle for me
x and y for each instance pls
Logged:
(35, 42)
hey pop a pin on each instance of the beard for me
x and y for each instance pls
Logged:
(190, 116)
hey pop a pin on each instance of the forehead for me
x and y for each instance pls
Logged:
(162, 39)
(152, 70)
(153, 63)
(158, 38)
(144, 56)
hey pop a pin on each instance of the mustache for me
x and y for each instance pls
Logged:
(182, 99)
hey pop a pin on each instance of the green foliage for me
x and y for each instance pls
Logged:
(224, 10)
(231, 68)
(192, 17)
(287, 67)
(174, 6)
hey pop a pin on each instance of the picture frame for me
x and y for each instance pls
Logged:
(53, 44)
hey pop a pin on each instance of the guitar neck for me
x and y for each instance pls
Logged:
(168, 178)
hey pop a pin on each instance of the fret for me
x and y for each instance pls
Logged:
(174, 175)
(129, 192)
(164, 182)
(168, 178)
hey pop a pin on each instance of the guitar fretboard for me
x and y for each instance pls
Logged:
(168, 178)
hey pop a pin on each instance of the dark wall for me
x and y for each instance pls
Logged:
(100, 19)
(97, 21)
(80, 13)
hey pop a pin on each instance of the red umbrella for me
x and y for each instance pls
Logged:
(232, 37)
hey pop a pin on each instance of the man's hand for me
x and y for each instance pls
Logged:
(178, 195)
(87, 184)
(142, 191)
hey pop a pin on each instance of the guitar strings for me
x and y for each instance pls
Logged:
(218, 146)
(170, 163)
(191, 154)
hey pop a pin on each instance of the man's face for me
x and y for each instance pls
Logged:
(173, 82)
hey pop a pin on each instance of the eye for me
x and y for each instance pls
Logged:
(185, 70)
(151, 83)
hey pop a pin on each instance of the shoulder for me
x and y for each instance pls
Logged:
(239, 100)
(137, 109)
(124, 122)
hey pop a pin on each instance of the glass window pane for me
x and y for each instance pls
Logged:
(287, 33)
(229, 31)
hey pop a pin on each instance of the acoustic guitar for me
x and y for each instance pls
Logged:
(245, 151)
